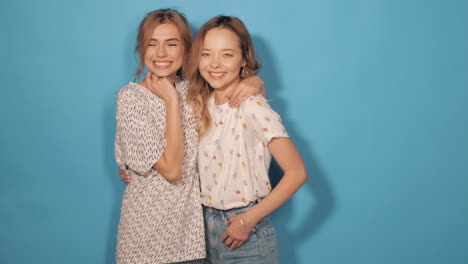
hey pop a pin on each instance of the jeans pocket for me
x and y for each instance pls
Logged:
(270, 237)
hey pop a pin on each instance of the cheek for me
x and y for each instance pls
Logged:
(230, 64)
(149, 53)
(202, 64)
(177, 54)
(202, 69)
(233, 66)
(148, 61)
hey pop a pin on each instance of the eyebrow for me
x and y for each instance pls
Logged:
(223, 50)
(169, 39)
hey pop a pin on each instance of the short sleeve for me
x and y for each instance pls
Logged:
(139, 141)
(262, 120)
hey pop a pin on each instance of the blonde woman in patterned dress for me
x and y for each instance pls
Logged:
(235, 148)
(156, 146)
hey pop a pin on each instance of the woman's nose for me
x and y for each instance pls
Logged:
(162, 51)
(215, 62)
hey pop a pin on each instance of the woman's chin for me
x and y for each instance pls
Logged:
(165, 74)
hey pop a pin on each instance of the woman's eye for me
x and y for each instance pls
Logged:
(205, 54)
(172, 45)
(228, 55)
(152, 44)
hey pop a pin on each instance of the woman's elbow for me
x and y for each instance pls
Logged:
(305, 177)
(174, 179)
(296, 176)
(170, 172)
(302, 176)
(173, 175)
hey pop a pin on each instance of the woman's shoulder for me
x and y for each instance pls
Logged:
(254, 104)
(133, 91)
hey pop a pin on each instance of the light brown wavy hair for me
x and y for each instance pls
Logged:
(150, 22)
(200, 90)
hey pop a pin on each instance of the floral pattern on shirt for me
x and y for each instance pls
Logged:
(233, 157)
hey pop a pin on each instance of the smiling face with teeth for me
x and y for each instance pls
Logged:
(221, 61)
(164, 55)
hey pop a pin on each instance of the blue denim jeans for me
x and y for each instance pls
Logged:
(261, 247)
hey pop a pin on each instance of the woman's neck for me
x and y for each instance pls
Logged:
(220, 93)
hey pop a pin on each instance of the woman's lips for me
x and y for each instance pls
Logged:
(217, 75)
(162, 64)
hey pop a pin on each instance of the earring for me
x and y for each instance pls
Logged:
(242, 73)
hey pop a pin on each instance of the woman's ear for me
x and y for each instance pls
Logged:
(244, 63)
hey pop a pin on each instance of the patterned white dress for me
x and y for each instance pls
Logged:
(160, 222)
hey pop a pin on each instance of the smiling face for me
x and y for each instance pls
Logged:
(221, 59)
(164, 55)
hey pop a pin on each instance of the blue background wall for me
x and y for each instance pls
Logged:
(373, 93)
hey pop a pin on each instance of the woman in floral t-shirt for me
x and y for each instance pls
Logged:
(236, 146)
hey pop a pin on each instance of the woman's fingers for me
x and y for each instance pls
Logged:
(154, 78)
(229, 241)
(124, 176)
(233, 96)
(240, 244)
(235, 244)
(125, 179)
(224, 236)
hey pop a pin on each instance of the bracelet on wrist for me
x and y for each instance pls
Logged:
(244, 225)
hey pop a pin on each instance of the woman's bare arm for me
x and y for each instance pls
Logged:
(295, 175)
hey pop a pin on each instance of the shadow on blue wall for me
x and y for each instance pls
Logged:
(317, 184)
(112, 174)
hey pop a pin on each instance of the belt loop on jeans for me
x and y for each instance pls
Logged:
(223, 216)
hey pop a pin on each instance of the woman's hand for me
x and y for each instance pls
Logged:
(245, 89)
(124, 176)
(236, 233)
(161, 86)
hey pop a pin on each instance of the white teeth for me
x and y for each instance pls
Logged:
(216, 74)
(162, 64)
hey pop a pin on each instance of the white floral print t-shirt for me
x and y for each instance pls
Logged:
(233, 157)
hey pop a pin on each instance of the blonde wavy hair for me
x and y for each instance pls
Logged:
(200, 90)
(150, 22)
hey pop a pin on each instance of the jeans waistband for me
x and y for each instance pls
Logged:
(225, 214)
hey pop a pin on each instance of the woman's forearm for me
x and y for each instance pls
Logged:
(294, 177)
(170, 164)
(285, 189)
